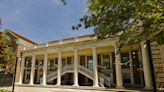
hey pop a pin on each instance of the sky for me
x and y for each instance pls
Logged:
(43, 20)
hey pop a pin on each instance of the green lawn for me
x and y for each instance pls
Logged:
(3, 90)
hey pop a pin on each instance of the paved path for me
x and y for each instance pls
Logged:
(69, 89)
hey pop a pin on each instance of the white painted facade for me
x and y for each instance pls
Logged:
(84, 61)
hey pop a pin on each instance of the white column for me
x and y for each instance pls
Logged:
(75, 68)
(45, 69)
(146, 65)
(22, 70)
(119, 79)
(131, 68)
(95, 71)
(59, 68)
(32, 70)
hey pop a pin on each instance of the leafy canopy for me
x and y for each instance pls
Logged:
(7, 53)
(131, 20)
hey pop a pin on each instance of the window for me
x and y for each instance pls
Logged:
(106, 61)
(69, 59)
(90, 62)
(126, 78)
(125, 60)
(28, 64)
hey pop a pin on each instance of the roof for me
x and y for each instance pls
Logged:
(21, 37)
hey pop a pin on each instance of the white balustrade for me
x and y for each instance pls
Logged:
(89, 73)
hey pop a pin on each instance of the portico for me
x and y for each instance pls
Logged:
(61, 62)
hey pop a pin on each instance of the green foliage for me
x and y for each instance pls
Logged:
(131, 20)
(159, 38)
(3, 90)
(7, 53)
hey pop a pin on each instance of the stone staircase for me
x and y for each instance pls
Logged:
(88, 73)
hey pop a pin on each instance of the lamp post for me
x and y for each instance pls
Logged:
(14, 73)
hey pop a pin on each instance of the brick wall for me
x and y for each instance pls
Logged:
(158, 61)
(19, 49)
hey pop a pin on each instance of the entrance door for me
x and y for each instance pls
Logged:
(90, 62)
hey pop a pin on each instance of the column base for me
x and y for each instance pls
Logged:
(19, 83)
(120, 87)
(31, 83)
(148, 88)
(58, 85)
(44, 84)
(75, 85)
(96, 86)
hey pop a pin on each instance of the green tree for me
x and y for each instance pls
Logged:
(131, 20)
(7, 53)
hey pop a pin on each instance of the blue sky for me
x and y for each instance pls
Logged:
(43, 20)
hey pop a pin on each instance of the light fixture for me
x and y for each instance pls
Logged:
(145, 45)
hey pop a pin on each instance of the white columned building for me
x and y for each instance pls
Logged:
(75, 68)
(32, 70)
(22, 70)
(99, 64)
(95, 71)
(45, 69)
(146, 65)
(119, 78)
(59, 67)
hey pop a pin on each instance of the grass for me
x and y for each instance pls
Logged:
(3, 90)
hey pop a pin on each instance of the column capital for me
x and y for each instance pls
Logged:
(143, 42)
(59, 49)
(94, 46)
(75, 48)
(45, 53)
